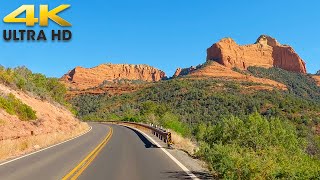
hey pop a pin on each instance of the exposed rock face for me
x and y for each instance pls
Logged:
(266, 52)
(317, 79)
(84, 78)
(184, 71)
(178, 72)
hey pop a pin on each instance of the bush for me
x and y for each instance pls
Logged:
(173, 122)
(14, 106)
(257, 148)
(86, 104)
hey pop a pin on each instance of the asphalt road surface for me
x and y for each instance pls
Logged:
(126, 155)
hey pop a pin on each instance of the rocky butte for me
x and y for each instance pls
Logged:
(266, 52)
(83, 78)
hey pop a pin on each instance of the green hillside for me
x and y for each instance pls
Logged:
(34, 83)
(242, 133)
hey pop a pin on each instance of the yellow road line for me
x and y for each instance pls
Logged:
(76, 172)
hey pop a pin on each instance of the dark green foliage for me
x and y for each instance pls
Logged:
(198, 101)
(201, 101)
(257, 148)
(87, 103)
(14, 106)
(299, 84)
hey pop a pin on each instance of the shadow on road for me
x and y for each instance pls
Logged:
(183, 175)
(146, 142)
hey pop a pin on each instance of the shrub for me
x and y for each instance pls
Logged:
(257, 148)
(14, 106)
(171, 121)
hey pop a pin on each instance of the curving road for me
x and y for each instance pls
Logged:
(126, 155)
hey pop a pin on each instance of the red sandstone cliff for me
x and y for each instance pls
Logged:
(83, 78)
(266, 52)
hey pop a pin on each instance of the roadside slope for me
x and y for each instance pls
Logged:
(53, 124)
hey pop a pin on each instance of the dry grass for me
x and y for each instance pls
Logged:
(16, 147)
(183, 143)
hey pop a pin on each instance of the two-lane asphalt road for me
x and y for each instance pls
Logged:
(126, 155)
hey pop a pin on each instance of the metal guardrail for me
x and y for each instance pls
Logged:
(158, 131)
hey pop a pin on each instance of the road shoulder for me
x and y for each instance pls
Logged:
(195, 168)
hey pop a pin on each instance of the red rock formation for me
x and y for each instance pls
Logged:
(184, 71)
(266, 52)
(83, 78)
(177, 73)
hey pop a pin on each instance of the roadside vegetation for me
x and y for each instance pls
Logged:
(257, 148)
(39, 85)
(19, 137)
(36, 83)
(242, 133)
(14, 106)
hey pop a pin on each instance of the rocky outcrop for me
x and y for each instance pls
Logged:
(266, 52)
(177, 72)
(184, 71)
(317, 79)
(84, 78)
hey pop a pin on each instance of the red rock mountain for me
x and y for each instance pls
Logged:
(266, 52)
(83, 78)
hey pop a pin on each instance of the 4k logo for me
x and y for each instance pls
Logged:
(44, 16)
(43, 20)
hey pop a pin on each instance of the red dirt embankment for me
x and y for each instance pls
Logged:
(54, 123)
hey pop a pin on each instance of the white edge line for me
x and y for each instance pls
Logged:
(45, 148)
(184, 168)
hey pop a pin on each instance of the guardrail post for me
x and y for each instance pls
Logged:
(169, 139)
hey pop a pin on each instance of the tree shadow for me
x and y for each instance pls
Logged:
(146, 142)
(183, 175)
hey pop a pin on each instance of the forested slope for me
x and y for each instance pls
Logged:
(243, 133)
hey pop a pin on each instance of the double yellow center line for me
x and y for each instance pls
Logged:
(76, 172)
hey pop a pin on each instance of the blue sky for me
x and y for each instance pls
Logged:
(166, 34)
